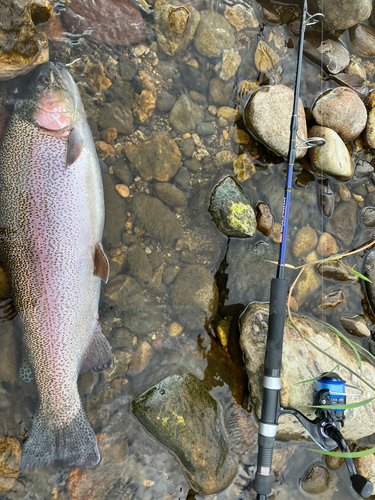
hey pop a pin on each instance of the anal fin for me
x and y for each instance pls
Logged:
(98, 354)
(101, 264)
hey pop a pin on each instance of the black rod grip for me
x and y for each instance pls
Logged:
(276, 322)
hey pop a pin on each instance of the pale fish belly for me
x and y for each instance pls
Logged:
(52, 219)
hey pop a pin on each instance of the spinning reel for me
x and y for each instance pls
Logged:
(325, 429)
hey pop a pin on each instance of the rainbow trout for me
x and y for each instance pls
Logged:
(51, 222)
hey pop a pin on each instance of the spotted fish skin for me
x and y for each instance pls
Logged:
(51, 223)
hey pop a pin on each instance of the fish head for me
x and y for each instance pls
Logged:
(52, 101)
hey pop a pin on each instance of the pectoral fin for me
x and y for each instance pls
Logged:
(75, 146)
(101, 264)
(98, 354)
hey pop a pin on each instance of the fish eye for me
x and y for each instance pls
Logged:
(44, 80)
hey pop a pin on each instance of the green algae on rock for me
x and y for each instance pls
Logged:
(231, 210)
(181, 414)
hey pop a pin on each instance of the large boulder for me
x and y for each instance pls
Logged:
(341, 14)
(301, 361)
(267, 115)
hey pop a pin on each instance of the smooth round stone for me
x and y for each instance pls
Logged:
(185, 115)
(341, 110)
(344, 222)
(333, 158)
(355, 325)
(229, 65)
(205, 128)
(214, 34)
(367, 217)
(341, 14)
(336, 271)
(268, 114)
(265, 57)
(326, 197)
(315, 480)
(305, 241)
(164, 102)
(362, 38)
(327, 245)
(334, 54)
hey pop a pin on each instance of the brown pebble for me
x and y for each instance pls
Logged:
(157, 345)
(264, 218)
(332, 299)
(276, 232)
(305, 241)
(109, 135)
(122, 190)
(105, 149)
(140, 359)
(327, 245)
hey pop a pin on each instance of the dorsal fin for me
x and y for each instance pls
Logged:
(101, 264)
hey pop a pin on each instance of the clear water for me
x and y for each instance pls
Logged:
(133, 460)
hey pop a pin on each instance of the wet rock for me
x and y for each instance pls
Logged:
(81, 18)
(243, 168)
(264, 218)
(355, 325)
(362, 39)
(367, 217)
(139, 265)
(225, 157)
(169, 274)
(175, 25)
(197, 97)
(122, 171)
(302, 362)
(229, 114)
(339, 14)
(116, 206)
(128, 68)
(363, 170)
(156, 219)
(309, 281)
(126, 296)
(365, 465)
(109, 135)
(185, 115)
(336, 271)
(265, 57)
(204, 129)
(156, 158)
(306, 240)
(164, 101)
(144, 104)
(181, 414)
(231, 210)
(170, 194)
(326, 198)
(369, 272)
(369, 133)
(344, 222)
(214, 34)
(22, 48)
(121, 361)
(10, 459)
(141, 359)
(267, 115)
(220, 92)
(115, 114)
(192, 165)
(194, 79)
(195, 297)
(333, 157)
(331, 299)
(341, 110)
(335, 55)
(315, 480)
(270, 14)
(229, 65)
(182, 179)
(241, 17)
(327, 245)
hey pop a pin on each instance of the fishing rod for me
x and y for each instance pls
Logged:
(324, 429)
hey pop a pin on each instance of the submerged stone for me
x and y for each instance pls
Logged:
(334, 53)
(175, 25)
(362, 39)
(344, 222)
(185, 115)
(214, 34)
(341, 14)
(181, 414)
(231, 210)
(336, 271)
(315, 480)
(195, 297)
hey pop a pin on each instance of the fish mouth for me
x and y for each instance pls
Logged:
(59, 104)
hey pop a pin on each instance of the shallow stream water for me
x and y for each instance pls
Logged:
(134, 465)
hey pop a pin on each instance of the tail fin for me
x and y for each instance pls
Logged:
(75, 445)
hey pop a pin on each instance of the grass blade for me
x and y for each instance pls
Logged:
(361, 276)
(341, 454)
(316, 378)
(342, 336)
